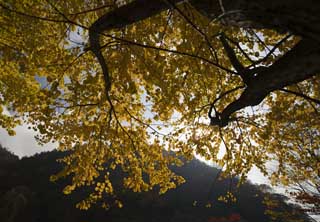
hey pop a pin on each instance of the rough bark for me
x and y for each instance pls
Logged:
(295, 16)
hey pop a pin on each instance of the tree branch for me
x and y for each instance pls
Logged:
(272, 50)
(220, 97)
(232, 56)
(195, 27)
(47, 19)
(239, 47)
(301, 95)
(300, 63)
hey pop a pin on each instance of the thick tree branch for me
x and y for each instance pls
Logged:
(300, 63)
(232, 55)
(219, 98)
(240, 48)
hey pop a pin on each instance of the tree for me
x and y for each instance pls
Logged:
(118, 82)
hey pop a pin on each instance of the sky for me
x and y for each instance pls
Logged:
(23, 143)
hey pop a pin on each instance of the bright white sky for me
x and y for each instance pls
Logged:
(23, 143)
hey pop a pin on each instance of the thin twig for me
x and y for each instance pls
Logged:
(33, 16)
(194, 26)
(271, 51)
(143, 123)
(299, 94)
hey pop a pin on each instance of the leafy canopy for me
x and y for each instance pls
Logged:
(165, 76)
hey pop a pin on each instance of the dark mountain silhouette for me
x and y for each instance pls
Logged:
(27, 195)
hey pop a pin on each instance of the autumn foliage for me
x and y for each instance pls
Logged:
(176, 82)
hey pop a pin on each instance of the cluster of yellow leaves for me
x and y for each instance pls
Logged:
(164, 79)
(227, 198)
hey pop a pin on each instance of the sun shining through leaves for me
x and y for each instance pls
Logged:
(168, 73)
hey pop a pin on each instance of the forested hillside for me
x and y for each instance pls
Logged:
(27, 195)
